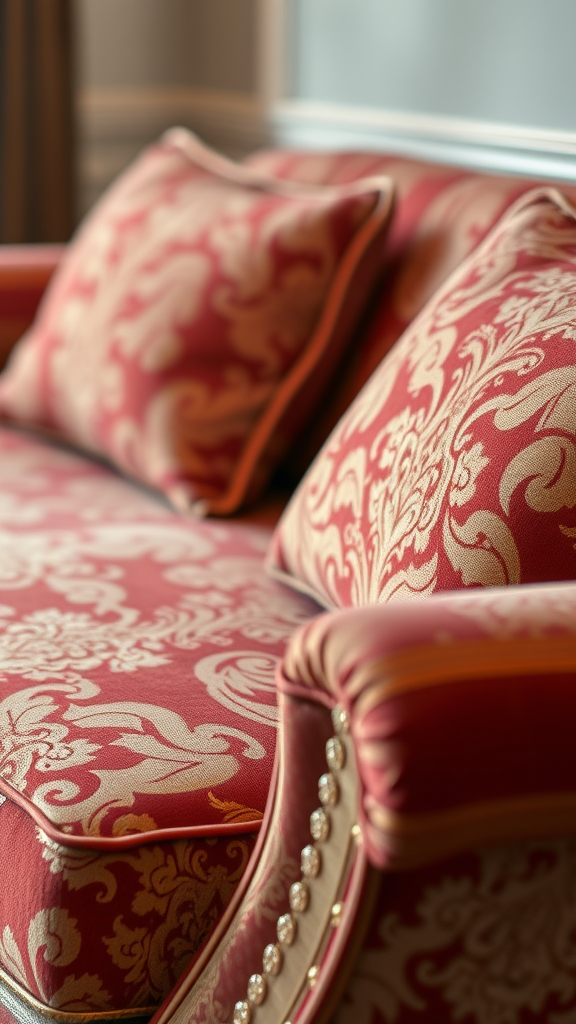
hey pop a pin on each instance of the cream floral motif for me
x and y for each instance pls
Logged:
(172, 757)
(256, 263)
(54, 939)
(465, 209)
(90, 626)
(177, 903)
(493, 948)
(420, 471)
(40, 481)
(236, 681)
(91, 570)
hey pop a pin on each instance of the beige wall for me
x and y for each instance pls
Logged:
(144, 43)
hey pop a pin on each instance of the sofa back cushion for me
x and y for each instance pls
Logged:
(456, 465)
(195, 318)
(441, 215)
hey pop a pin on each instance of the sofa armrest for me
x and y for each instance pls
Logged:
(461, 710)
(442, 724)
(25, 270)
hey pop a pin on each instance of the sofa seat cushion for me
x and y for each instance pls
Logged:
(137, 726)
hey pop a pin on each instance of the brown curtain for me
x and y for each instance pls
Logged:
(36, 121)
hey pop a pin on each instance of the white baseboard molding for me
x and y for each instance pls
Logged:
(501, 148)
(114, 125)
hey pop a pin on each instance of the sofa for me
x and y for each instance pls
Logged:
(287, 703)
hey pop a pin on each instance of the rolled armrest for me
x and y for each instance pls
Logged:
(407, 732)
(461, 710)
(25, 270)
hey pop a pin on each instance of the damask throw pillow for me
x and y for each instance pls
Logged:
(456, 464)
(195, 318)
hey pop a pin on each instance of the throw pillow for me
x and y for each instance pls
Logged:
(456, 465)
(195, 318)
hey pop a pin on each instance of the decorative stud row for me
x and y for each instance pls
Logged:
(311, 866)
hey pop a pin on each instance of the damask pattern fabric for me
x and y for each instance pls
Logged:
(137, 725)
(486, 937)
(186, 335)
(456, 465)
(89, 931)
(441, 215)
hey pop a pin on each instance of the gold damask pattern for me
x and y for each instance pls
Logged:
(491, 942)
(456, 465)
(101, 596)
(122, 953)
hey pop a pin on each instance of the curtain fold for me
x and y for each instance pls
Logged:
(37, 201)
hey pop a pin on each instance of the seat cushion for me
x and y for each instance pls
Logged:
(137, 726)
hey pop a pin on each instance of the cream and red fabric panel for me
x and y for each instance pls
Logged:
(138, 720)
(461, 719)
(485, 936)
(460, 708)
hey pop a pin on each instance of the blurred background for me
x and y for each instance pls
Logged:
(87, 83)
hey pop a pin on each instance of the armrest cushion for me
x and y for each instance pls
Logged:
(462, 711)
(25, 270)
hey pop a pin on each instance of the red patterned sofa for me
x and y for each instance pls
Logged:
(170, 694)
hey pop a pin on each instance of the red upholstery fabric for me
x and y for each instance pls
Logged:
(461, 713)
(441, 215)
(137, 726)
(456, 465)
(487, 937)
(212, 986)
(197, 303)
(89, 931)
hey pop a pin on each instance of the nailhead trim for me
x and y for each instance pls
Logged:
(320, 825)
(313, 975)
(328, 791)
(310, 861)
(299, 897)
(340, 720)
(336, 915)
(335, 754)
(272, 959)
(286, 929)
(242, 1012)
(311, 864)
(257, 989)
